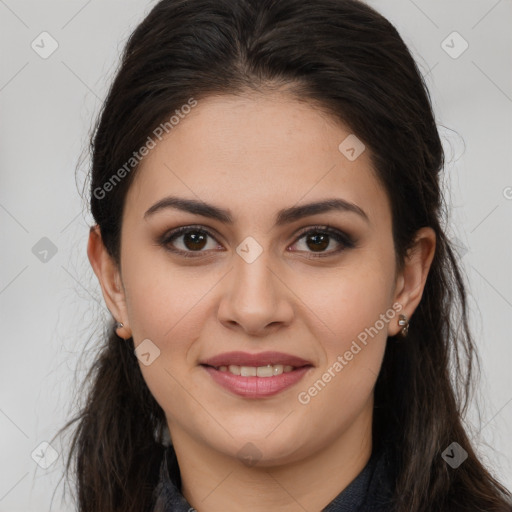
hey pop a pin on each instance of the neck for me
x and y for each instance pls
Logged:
(211, 479)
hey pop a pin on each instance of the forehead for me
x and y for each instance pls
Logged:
(260, 151)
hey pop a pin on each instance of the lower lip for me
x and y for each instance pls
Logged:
(256, 387)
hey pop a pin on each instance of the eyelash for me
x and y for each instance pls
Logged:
(342, 238)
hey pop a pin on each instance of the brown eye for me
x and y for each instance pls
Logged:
(318, 242)
(193, 240)
(319, 238)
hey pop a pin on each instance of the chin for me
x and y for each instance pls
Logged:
(260, 451)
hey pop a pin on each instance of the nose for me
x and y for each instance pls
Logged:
(256, 299)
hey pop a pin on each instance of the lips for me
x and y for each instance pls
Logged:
(256, 387)
(235, 372)
(259, 359)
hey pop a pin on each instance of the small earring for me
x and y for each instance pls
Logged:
(119, 325)
(404, 323)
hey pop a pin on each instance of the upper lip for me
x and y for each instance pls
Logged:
(259, 359)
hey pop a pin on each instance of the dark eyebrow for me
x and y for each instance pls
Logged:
(285, 216)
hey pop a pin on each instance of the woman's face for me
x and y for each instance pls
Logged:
(259, 283)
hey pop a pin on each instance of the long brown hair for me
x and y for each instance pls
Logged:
(345, 58)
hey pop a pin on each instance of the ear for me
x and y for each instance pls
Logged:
(109, 276)
(411, 281)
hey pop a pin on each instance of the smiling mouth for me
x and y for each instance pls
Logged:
(257, 382)
(270, 370)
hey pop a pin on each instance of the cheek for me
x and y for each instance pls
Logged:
(161, 298)
(350, 314)
(164, 305)
(352, 338)
(350, 302)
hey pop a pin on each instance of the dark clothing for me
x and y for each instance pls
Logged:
(370, 491)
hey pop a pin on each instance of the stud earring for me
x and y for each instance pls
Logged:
(404, 323)
(119, 325)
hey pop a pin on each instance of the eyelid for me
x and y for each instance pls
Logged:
(169, 236)
(341, 237)
(329, 229)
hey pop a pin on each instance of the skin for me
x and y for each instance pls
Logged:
(256, 154)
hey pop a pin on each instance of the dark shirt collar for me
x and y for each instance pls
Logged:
(370, 491)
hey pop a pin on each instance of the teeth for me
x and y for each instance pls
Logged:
(252, 371)
(248, 371)
(234, 369)
(269, 371)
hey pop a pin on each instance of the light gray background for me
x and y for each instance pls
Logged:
(50, 309)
